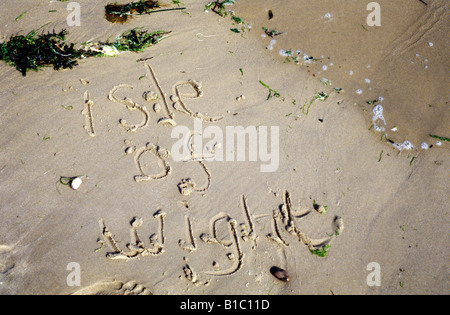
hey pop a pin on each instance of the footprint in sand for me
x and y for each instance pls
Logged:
(6, 263)
(114, 288)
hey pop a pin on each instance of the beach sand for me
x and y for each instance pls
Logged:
(383, 205)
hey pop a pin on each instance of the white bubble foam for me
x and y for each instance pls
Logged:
(272, 42)
(285, 53)
(378, 114)
(405, 145)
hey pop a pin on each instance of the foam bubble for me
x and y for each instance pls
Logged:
(378, 114)
(272, 42)
(285, 53)
(405, 145)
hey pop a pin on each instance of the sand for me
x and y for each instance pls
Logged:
(128, 228)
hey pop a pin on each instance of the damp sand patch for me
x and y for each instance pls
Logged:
(121, 13)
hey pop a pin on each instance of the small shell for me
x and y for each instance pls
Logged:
(280, 274)
(75, 183)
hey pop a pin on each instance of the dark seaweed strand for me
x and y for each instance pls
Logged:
(31, 52)
(138, 7)
(440, 138)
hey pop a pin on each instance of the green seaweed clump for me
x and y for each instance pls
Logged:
(218, 7)
(32, 51)
(321, 252)
(137, 41)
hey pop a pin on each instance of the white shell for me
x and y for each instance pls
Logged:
(75, 184)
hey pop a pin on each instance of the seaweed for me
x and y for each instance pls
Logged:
(440, 138)
(271, 33)
(137, 41)
(320, 96)
(218, 7)
(275, 93)
(321, 252)
(32, 51)
(121, 12)
(21, 16)
(116, 13)
(35, 51)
